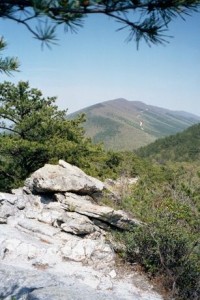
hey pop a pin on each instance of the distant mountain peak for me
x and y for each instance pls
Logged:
(122, 124)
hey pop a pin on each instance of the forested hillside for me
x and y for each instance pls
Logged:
(184, 146)
(126, 125)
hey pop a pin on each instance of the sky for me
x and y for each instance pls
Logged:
(97, 65)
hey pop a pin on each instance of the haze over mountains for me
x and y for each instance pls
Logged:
(126, 125)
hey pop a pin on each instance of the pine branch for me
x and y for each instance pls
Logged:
(153, 15)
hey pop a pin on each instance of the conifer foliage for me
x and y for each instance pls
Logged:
(34, 131)
(7, 64)
(145, 19)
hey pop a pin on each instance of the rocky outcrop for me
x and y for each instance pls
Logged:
(52, 224)
(63, 178)
(83, 205)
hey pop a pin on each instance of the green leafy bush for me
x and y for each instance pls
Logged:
(166, 199)
(164, 248)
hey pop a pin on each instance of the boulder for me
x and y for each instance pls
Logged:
(84, 206)
(63, 178)
(33, 207)
(77, 224)
(50, 216)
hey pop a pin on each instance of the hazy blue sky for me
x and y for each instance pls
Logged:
(96, 65)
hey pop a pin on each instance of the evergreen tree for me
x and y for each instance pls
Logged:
(34, 132)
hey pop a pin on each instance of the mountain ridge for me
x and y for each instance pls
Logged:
(121, 124)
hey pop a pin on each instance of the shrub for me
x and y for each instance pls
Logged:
(163, 247)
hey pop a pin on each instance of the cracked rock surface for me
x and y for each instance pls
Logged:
(53, 241)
